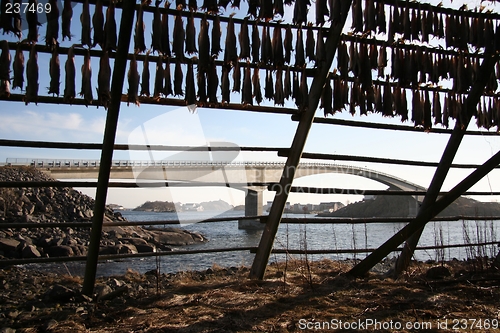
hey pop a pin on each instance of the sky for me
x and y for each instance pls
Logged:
(179, 126)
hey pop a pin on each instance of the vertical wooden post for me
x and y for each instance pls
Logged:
(447, 159)
(430, 199)
(120, 66)
(425, 216)
(306, 118)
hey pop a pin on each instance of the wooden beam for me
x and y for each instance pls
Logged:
(423, 217)
(120, 67)
(306, 119)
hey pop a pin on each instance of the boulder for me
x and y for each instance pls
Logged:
(9, 244)
(31, 251)
(59, 293)
(60, 251)
(437, 272)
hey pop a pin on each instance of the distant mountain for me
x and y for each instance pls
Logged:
(156, 206)
(166, 206)
(398, 206)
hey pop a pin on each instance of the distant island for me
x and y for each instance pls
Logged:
(398, 206)
(168, 206)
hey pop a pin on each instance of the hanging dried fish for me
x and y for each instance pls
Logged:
(179, 36)
(269, 87)
(156, 34)
(246, 96)
(255, 43)
(67, 15)
(387, 101)
(139, 42)
(6, 16)
(253, 6)
(300, 59)
(165, 33)
(277, 47)
(17, 24)
(103, 81)
(167, 85)
(160, 76)
(191, 36)
(357, 16)
(86, 90)
(244, 40)
(279, 9)
(353, 100)
(204, 44)
(365, 69)
(266, 51)
(226, 92)
(343, 60)
(320, 50)
(288, 44)
(210, 6)
(304, 91)
(436, 109)
(5, 61)
(213, 83)
(381, 22)
(98, 24)
(373, 56)
(216, 36)
(145, 77)
(406, 23)
(327, 99)
(69, 82)
(55, 73)
(202, 87)
(110, 28)
(296, 95)
(236, 78)
(446, 113)
(427, 112)
(404, 106)
(417, 109)
(18, 81)
(370, 16)
(279, 94)
(392, 28)
(133, 83)
(397, 20)
(180, 4)
(193, 6)
(310, 44)
(85, 21)
(178, 77)
(230, 52)
(52, 31)
(300, 12)
(32, 76)
(190, 88)
(396, 100)
(382, 61)
(423, 27)
(266, 10)
(287, 90)
(32, 19)
(321, 12)
(257, 93)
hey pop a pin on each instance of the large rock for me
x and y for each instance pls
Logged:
(60, 251)
(9, 244)
(31, 251)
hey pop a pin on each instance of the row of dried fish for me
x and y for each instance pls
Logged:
(410, 67)
(391, 101)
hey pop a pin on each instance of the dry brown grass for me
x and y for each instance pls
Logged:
(225, 300)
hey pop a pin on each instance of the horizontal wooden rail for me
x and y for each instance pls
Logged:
(33, 184)
(9, 262)
(337, 157)
(405, 128)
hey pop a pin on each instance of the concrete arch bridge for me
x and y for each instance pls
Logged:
(229, 173)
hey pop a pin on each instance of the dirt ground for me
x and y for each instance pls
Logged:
(296, 296)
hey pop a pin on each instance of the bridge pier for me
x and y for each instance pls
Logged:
(253, 207)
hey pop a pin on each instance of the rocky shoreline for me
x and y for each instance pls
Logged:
(43, 205)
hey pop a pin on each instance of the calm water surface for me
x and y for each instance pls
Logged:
(293, 236)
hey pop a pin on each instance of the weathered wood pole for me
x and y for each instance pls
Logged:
(424, 216)
(306, 119)
(127, 19)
